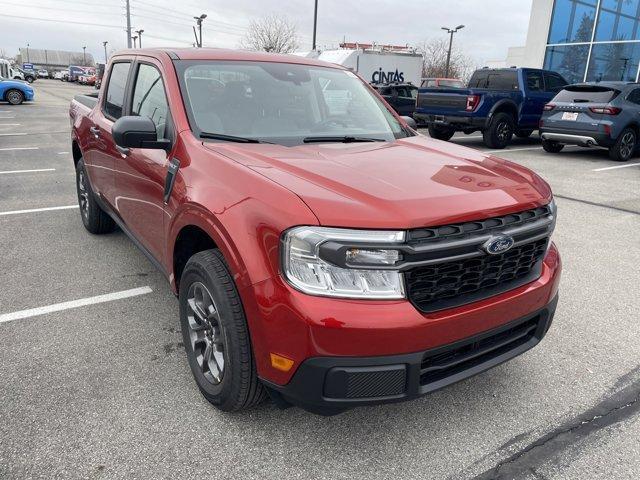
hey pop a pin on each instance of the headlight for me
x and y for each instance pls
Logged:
(306, 271)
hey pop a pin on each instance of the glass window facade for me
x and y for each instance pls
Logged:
(594, 40)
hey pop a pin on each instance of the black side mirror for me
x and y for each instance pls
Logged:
(411, 122)
(137, 132)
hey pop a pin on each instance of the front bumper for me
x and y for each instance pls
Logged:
(329, 385)
(29, 95)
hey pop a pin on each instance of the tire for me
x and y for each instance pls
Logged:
(230, 382)
(14, 97)
(500, 131)
(524, 133)
(625, 146)
(552, 147)
(441, 133)
(94, 219)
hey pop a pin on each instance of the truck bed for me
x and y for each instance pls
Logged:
(89, 100)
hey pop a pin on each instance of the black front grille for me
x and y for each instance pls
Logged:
(439, 286)
(449, 361)
(461, 230)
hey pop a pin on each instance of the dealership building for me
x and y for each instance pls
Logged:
(584, 40)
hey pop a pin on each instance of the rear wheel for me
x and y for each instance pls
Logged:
(441, 133)
(551, 146)
(625, 146)
(500, 131)
(524, 133)
(14, 97)
(94, 219)
(216, 336)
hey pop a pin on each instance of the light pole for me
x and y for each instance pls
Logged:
(134, 38)
(27, 53)
(450, 31)
(84, 56)
(199, 23)
(315, 25)
(104, 44)
(139, 32)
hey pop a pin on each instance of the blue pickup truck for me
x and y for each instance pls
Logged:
(499, 103)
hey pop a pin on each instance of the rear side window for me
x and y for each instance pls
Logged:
(116, 88)
(586, 95)
(479, 80)
(451, 83)
(634, 96)
(149, 98)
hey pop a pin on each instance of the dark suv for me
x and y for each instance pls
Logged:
(605, 115)
(401, 97)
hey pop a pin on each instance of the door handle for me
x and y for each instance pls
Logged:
(95, 131)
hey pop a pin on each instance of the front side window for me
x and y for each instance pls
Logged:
(553, 82)
(282, 103)
(149, 98)
(116, 88)
(535, 83)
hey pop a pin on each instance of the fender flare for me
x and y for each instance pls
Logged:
(500, 104)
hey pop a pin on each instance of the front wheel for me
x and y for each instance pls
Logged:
(551, 146)
(441, 133)
(625, 146)
(216, 336)
(14, 97)
(500, 131)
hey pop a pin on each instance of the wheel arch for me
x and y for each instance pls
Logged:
(506, 106)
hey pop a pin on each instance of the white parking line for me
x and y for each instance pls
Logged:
(11, 134)
(36, 210)
(83, 302)
(18, 148)
(513, 150)
(62, 153)
(28, 171)
(616, 167)
(10, 124)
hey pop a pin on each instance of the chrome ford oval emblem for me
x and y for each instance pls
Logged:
(498, 245)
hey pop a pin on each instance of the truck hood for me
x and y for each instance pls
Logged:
(410, 183)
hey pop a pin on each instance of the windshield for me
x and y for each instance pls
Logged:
(282, 103)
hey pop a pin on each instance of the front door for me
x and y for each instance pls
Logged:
(140, 175)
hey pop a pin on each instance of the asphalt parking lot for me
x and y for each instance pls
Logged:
(103, 390)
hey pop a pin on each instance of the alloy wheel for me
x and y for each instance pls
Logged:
(83, 195)
(627, 145)
(206, 333)
(503, 131)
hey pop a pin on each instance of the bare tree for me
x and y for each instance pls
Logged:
(271, 34)
(434, 60)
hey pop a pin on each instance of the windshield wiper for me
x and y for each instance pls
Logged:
(229, 138)
(341, 139)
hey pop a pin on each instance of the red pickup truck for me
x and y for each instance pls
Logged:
(323, 252)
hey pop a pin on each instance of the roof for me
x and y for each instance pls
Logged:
(60, 58)
(605, 84)
(225, 54)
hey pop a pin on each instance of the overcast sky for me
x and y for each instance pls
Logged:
(491, 25)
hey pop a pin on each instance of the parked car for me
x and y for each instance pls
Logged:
(15, 91)
(499, 103)
(28, 75)
(442, 83)
(401, 96)
(42, 73)
(602, 115)
(59, 75)
(323, 253)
